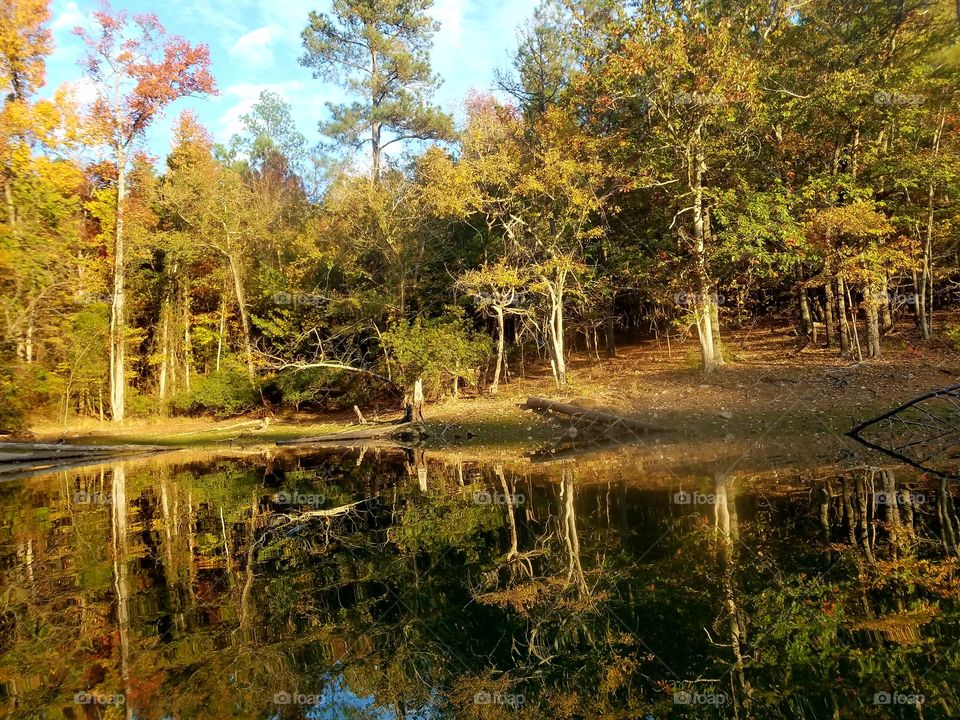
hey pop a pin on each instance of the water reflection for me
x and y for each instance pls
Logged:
(388, 584)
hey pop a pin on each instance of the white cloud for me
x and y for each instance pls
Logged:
(83, 91)
(219, 15)
(253, 48)
(450, 14)
(475, 38)
(67, 16)
(289, 16)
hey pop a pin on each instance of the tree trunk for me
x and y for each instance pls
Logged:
(28, 338)
(704, 299)
(926, 273)
(187, 345)
(828, 313)
(871, 310)
(611, 326)
(842, 317)
(164, 347)
(715, 327)
(806, 319)
(555, 334)
(886, 316)
(919, 311)
(495, 386)
(223, 323)
(117, 311)
(375, 127)
(244, 319)
(853, 325)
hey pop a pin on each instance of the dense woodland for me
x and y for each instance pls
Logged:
(655, 166)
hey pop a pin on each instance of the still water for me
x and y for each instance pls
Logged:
(403, 584)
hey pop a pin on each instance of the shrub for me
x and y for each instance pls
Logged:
(322, 388)
(27, 392)
(12, 405)
(436, 351)
(138, 404)
(225, 392)
(952, 333)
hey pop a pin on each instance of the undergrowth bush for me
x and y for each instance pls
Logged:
(223, 393)
(437, 351)
(952, 333)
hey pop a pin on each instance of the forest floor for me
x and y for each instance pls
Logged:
(769, 395)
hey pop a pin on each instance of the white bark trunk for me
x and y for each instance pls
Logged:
(117, 309)
(244, 319)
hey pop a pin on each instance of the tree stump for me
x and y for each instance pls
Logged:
(418, 401)
(360, 418)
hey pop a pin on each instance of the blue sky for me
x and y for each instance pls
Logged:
(254, 46)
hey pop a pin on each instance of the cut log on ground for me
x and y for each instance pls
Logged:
(392, 431)
(608, 418)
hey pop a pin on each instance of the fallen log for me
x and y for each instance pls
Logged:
(21, 464)
(16, 446)
(87, 462)
(11, 457)
(596, 415)
(376, 432)
(7, 467)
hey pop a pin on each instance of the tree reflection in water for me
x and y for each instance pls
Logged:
(384, 585)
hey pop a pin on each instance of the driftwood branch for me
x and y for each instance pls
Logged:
(327, 513)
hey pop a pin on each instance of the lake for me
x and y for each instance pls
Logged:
(393, 583)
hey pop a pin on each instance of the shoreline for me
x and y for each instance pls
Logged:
(802, 401)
